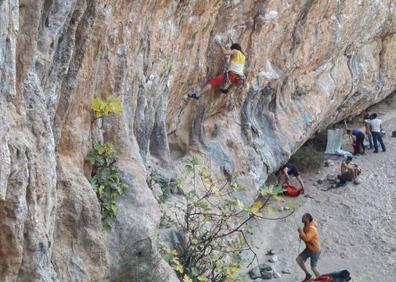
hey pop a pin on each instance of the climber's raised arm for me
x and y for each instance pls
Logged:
(226, 51)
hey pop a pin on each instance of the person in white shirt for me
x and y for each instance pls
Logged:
(375, 124)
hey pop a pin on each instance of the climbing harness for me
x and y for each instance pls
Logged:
(240, 80)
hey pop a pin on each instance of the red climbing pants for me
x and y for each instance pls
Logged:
(219, 80)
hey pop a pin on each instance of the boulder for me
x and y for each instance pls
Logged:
(254, 273)
(266, 271)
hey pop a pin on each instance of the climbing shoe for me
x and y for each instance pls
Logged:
(193, 96)
(223, 90)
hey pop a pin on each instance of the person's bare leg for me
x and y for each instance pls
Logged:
(301, 263)
(315, 271)
(301, 182)
(354, 174)
(207, 88)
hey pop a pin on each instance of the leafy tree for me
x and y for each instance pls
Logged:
(214, 224)
(103, 108)
(106, 179)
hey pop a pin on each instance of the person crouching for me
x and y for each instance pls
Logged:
(349, 172)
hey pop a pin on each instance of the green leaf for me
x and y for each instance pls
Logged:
(114, 105)
(97, 105)
(255, 208)
(278, 198)
(232, 271)
(105, 223)
(106, 178)
(194, 271)
(202, 278)
(191, 164)
(103, 109)
(177, 266)
(271, 190)
(167, 257)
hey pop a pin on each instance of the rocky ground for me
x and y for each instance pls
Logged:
(357, 223)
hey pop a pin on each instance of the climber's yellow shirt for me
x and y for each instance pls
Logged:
(237, 63)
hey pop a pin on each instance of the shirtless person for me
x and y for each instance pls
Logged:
(349, 171)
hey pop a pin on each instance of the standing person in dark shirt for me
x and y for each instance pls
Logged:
(288, 170)
(358, 140)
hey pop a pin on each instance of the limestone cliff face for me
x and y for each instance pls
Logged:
(325, 59)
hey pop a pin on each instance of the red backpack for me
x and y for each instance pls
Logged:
(324, 278)
(291, 191)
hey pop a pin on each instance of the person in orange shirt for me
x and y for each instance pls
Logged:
(309, 234)
(233, 76)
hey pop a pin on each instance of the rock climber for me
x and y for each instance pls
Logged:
(366, 118)
(233, 76)
(375, 124)
(349, 172)
(357, 136)
(309, 234)
(286, 171)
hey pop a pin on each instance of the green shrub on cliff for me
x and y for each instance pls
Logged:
(103, 108)
(106, 179)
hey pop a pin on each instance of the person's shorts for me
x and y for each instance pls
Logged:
(360, 137)
(292, 170)
(308, 254)
(347, 176)
(219, 80)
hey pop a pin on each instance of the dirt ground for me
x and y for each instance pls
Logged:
(357, 223)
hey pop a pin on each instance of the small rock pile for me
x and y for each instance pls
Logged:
(266, 271)
(330, 180)
(263, 271)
